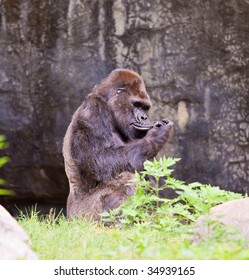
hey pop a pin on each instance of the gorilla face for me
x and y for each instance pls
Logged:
(141, 122)
(131, 117)
(130, 104)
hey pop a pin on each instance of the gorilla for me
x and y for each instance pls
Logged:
(110, 137)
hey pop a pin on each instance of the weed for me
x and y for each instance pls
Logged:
(146, 207)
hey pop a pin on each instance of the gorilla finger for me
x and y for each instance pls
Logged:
(167, 122)
(158, 124)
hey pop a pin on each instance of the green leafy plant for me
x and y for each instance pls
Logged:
(3, 161)
(146, 207)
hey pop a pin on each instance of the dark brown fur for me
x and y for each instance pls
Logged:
(102, 148)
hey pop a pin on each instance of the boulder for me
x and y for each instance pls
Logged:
(233, 214)
(14, 242)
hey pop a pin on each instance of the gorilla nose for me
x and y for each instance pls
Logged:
(142, 118)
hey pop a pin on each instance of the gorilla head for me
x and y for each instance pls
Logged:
(125, 94)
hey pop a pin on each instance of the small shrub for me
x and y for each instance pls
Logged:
(147, 208)
(3, 161)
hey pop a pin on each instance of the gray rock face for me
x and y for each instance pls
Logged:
(13, 240)
(233, 214)
(193, 56)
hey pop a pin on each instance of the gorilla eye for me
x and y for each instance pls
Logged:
(119, 90)
(139, 104)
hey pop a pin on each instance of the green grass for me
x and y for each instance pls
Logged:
(80, 239)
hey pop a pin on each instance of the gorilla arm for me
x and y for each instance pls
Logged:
(148, 147)
(101, 157)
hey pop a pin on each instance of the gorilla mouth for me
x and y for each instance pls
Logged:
(140, 126)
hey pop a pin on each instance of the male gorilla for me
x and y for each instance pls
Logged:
(109, 138)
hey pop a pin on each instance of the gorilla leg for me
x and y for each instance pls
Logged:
(107, 196)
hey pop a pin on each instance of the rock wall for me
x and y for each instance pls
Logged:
(193, 56)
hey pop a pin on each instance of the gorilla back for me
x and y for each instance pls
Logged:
(109, 138)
